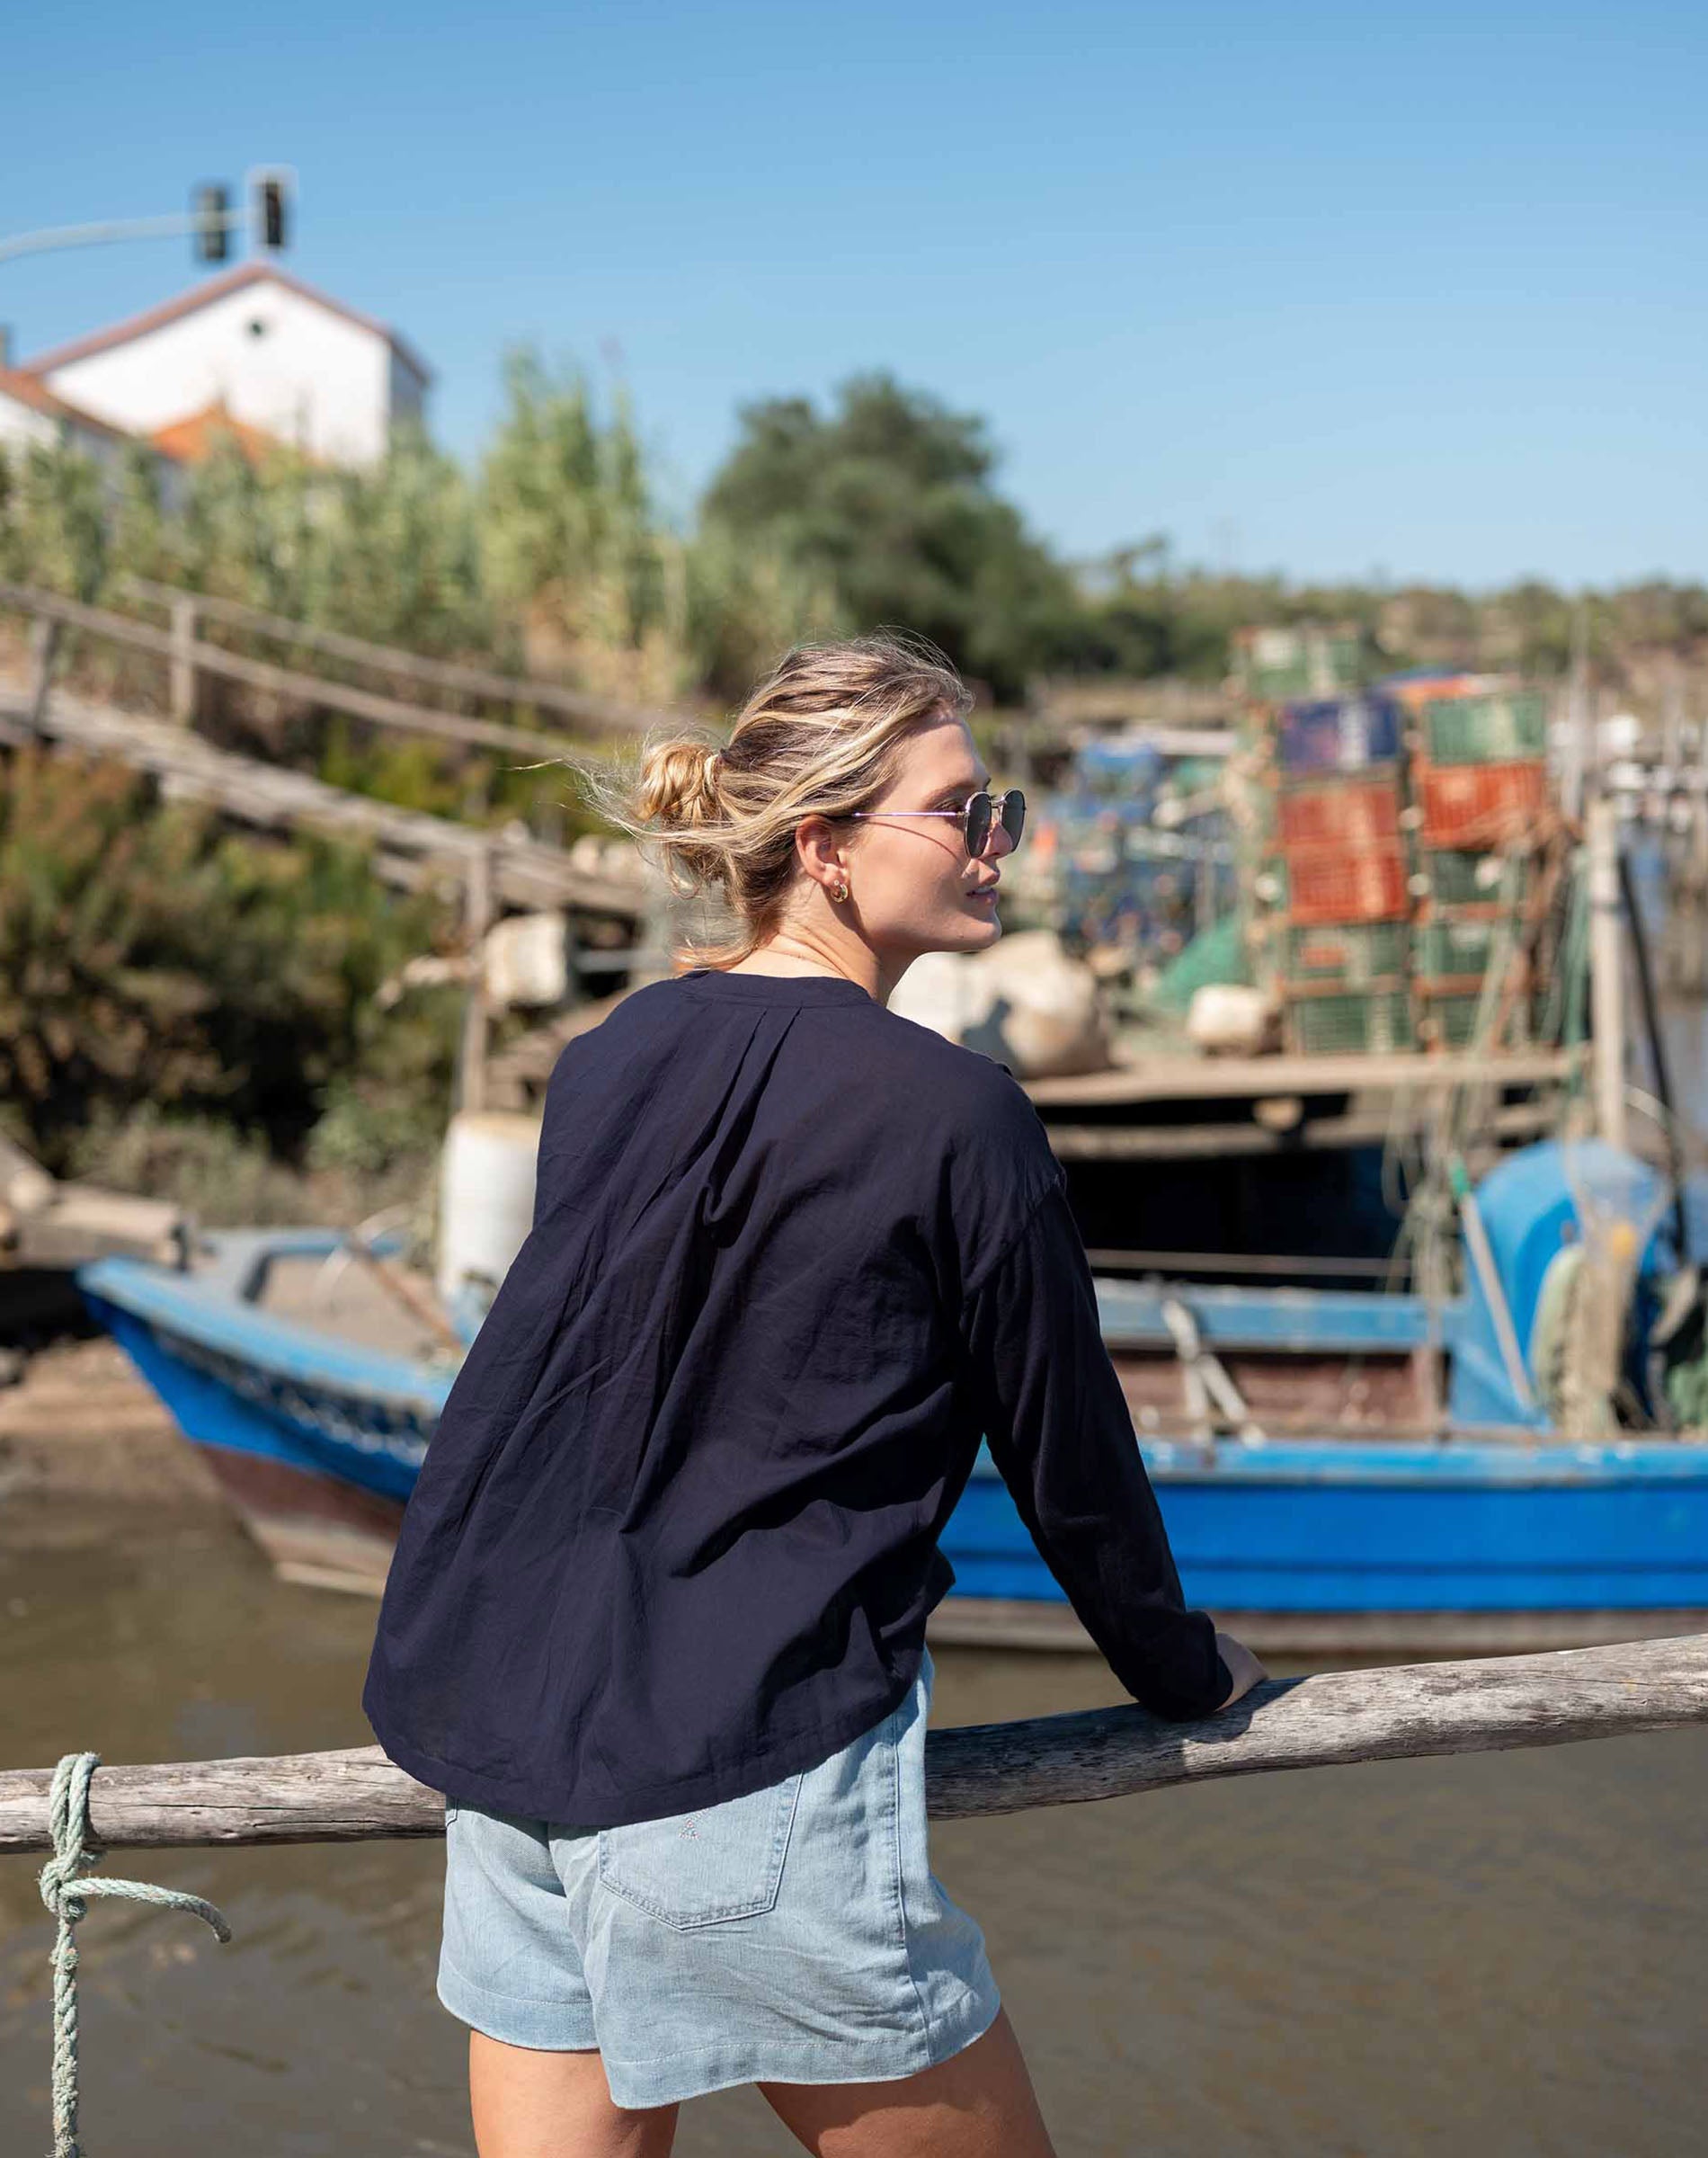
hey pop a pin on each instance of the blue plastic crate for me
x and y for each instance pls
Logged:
(1339, 733)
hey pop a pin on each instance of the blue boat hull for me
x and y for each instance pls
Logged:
(1508, 1543)
(1322, 1529)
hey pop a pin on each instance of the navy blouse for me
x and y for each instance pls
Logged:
(676, 1534)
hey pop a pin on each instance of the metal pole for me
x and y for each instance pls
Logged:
(1577, 749)
(1606, 970)
(1670, 1136)
(173, 225)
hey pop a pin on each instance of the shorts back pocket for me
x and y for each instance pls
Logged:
(696, 1870)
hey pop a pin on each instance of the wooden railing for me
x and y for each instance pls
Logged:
(492, 868)
(187, 607)
(1334, 1720)
(189, 657)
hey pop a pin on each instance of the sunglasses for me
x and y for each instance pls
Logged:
(978, 817)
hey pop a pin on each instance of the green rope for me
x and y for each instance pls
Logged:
(65, 1889)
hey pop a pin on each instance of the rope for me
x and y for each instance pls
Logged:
(65, 1889)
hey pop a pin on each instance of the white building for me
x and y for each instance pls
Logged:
(255, 345)
(33, 416)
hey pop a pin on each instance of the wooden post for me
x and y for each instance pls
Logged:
(1607, 969)
(576, 991)
(181, 665)
(478, 919)
(44, 648)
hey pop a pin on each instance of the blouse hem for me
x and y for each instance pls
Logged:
(565, 1810)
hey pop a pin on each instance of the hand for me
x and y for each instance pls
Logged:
(1243, 1668)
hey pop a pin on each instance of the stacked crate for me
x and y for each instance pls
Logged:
(1340, 962)
(1480, 803)
(1302, 659)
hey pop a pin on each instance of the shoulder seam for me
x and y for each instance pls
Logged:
(1056, 1184)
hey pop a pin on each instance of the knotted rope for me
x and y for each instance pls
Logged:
(65, 1889)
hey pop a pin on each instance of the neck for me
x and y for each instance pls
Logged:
(802, 947)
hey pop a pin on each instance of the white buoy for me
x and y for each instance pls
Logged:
(485, 1200)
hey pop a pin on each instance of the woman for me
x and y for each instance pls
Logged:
(655, 1625)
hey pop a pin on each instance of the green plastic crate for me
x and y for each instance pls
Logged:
(1300, 660)
(1458, 879)
(1453, 1019)
(1450, 1020)
(1371, 1021)
(1500, 728)
(1356, 954)
(1459, 945)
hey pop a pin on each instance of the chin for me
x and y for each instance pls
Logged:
(972, 934)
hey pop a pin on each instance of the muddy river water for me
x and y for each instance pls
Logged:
(1478, 1958)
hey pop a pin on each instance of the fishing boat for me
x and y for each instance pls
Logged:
(1501, 1462)
(1350, 1469)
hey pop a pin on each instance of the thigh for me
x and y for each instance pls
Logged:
(556, 2104)
(510, 1958)
(979, 2103)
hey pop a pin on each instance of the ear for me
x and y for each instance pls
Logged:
(821, 849)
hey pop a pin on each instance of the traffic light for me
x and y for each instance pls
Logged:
(271, 211)
(210, 234)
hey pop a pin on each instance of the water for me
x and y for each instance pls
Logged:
(1505, 1955)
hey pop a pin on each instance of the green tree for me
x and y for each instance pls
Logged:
(149, 955)
(567, 524)
(888, 501)
(744, 603)
(53, 520)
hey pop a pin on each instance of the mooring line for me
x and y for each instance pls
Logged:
(65, 1889)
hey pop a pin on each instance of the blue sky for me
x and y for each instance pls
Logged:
(1310, 288)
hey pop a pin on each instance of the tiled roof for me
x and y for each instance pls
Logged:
(238, 280)
(193, 439)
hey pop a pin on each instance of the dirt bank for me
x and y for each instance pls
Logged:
(81, 1435)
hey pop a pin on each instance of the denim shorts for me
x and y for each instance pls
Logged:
(796, 1935)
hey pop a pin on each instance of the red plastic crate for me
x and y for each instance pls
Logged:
(1327, 884)
(1349, 813)
(1469, 806)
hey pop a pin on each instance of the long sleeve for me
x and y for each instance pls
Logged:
(1060, 1433)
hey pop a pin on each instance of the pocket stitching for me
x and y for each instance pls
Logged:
(788, 1798)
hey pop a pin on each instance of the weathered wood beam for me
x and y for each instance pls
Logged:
(1333, 1719)
(437, 674)
(1189, 1078)
(528, 872)
(286, 682)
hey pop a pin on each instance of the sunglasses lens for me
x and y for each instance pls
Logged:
(978, 823)
(1014, 815)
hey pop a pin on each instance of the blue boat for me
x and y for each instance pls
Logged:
(1339, 1471)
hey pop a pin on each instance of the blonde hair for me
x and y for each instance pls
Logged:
(821, 734)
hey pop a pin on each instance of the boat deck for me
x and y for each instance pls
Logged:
(1175, 1106)
(292, 1275)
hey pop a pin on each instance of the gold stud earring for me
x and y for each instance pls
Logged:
(840, 892)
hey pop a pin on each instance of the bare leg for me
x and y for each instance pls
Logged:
(556, 2104)
(977, 2104)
